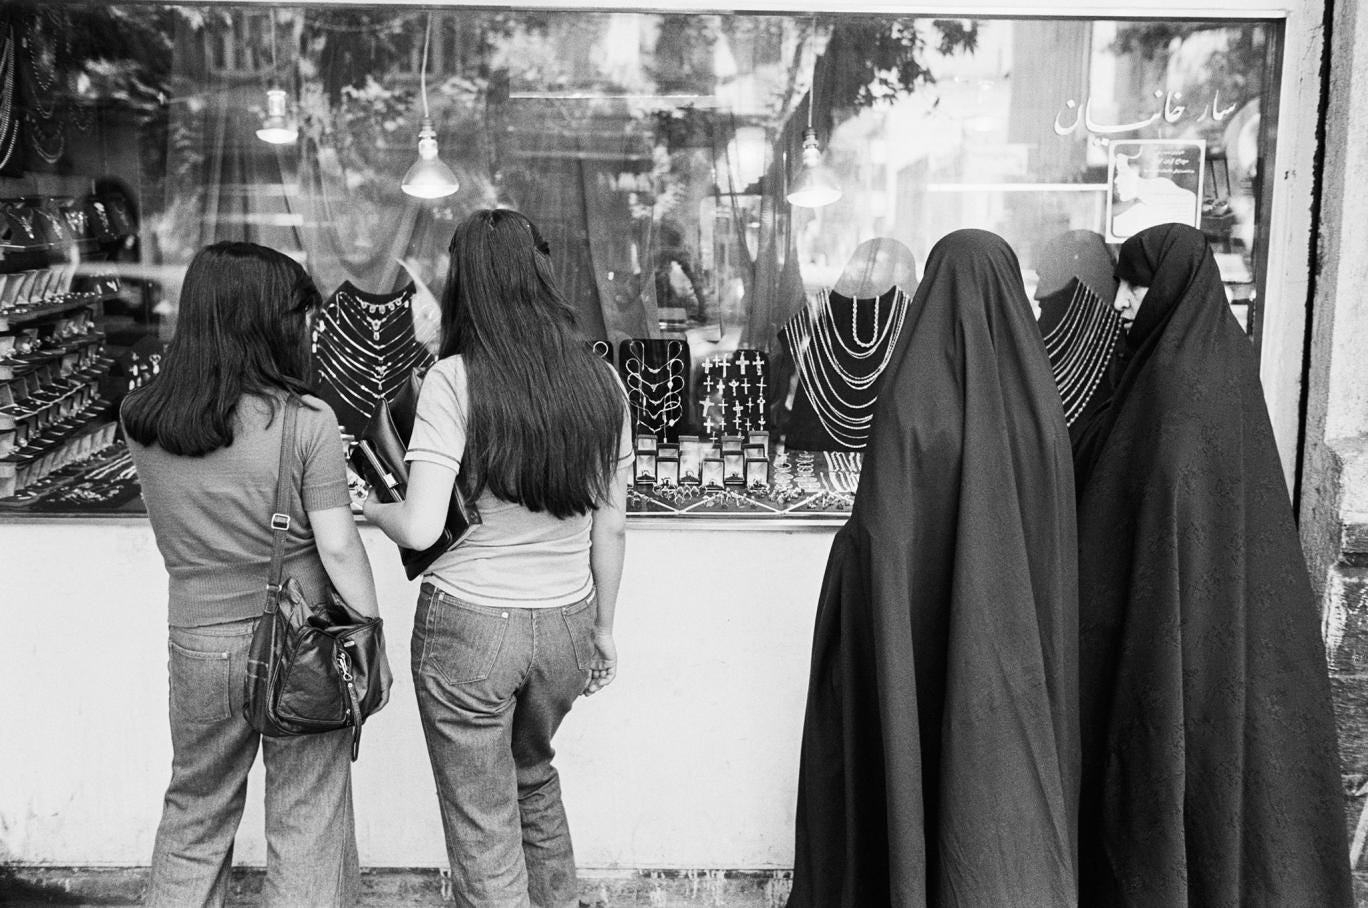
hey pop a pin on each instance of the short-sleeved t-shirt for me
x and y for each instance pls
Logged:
(211, 515)
(515, 557)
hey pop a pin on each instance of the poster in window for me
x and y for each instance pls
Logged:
(1153, 181)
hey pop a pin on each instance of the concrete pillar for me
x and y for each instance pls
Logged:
(1334, 515)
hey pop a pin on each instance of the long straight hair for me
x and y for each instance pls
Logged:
(545, 413)
(243, 329)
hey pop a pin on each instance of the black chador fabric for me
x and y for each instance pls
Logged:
(940, 749)
(1210, 769)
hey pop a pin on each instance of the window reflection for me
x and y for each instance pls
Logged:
(655, 151)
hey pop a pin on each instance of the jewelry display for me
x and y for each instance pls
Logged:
(9, 124)
(24, 219)
(119, 214)
(364, 349)
(101, 228)
(46, 138)
(732, 397)
(655, 373)
(837, 375)
(110, 484)
(82, 116)
(75, 218)
(736, 477)
(1080, 347)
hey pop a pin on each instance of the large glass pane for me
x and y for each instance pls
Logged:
(658, 153)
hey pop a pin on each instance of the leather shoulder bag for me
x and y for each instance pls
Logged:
(378, 457)
(311, 668)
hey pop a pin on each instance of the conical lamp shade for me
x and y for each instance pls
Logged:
(276, 129)
(429, 178)
(815, 184)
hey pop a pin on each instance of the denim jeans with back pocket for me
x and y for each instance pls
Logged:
(310, 830)
(493, 685)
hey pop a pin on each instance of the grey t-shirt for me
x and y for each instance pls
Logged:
(211, 515)
(515, 557)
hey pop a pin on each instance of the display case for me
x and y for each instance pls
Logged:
(737, 205)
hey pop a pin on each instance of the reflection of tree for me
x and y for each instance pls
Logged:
(1235, 67)
(683, 58)
(876, 60)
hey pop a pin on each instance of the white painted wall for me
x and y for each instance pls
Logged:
(689, 759)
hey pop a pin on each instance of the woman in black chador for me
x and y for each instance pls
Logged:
(940, 748)
(1209, 765)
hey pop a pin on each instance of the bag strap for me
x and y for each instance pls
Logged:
(280, 518)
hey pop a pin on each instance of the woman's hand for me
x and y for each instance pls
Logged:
(368, 507)
(603, 667)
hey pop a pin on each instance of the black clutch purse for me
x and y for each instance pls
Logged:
(378, 457)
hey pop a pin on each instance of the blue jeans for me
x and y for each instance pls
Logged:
(310, 830)
(493, 685)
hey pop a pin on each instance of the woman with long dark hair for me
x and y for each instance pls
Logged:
(515, 622)
(1210, 772)
(939, 761)
(206, 435)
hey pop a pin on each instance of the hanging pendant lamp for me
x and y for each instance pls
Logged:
(429, 177)
(815, 184)
(276, 128)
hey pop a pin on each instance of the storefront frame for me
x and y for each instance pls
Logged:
(85, 775)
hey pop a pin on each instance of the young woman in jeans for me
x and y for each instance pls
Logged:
(205, 436)
(517, 621)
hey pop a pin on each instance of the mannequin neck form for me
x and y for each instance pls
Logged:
(877, 266)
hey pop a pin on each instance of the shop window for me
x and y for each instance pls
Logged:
(658, 153)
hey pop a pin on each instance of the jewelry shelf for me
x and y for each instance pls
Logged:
(18, 366)
(83, 245)
(9, 320)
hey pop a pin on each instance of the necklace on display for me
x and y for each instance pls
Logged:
(854, 322)
(837, 416)
(375, 315)
(50, 145)
(9, 127)
(861, 349)
(76, 220)
(103, 215)
(44, 72)
(25, 219)
(365, 351)
(831, 359)
(829, 384)
(656, 409)
(1079, 348)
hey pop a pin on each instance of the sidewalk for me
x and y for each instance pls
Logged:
(392, 888)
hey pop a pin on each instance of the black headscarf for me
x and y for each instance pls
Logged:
(1209, 764)
(940, 748)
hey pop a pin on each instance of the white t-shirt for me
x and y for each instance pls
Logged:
(515, 557)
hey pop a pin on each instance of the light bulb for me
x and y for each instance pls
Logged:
(275, 128)
(429, 178)
(816, 185)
